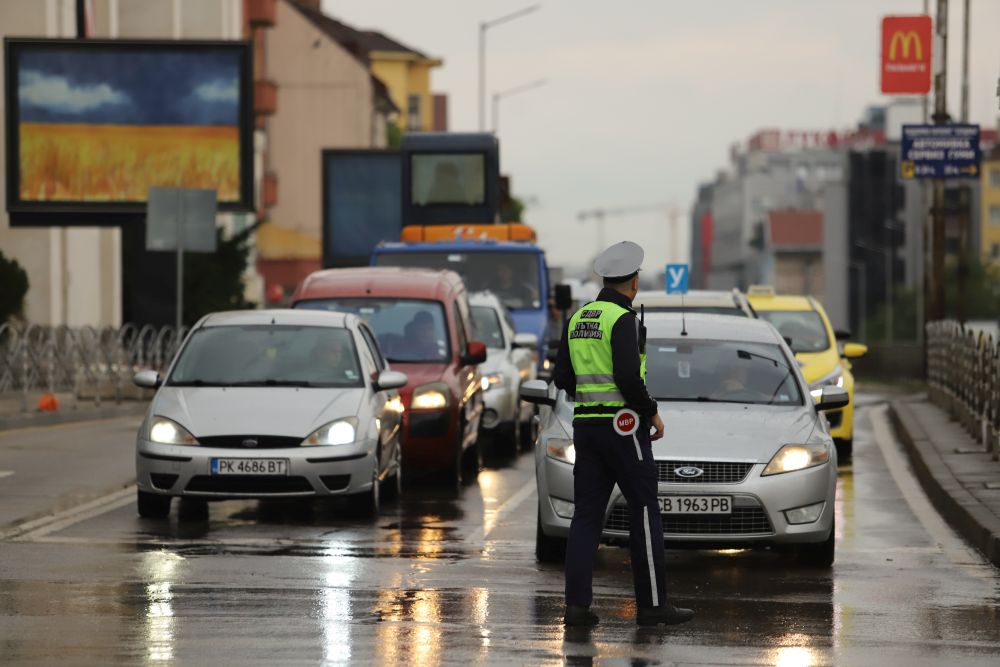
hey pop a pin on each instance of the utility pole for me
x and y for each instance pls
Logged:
(936, 310)
(483, 27)
(965, 194)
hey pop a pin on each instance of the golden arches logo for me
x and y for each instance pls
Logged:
(905, 40)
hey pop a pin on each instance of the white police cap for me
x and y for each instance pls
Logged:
(619, 261)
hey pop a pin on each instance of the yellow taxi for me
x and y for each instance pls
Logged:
(803, 323)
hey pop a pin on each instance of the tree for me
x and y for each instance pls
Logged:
(214, 281)
(13, 288)
(512, 210)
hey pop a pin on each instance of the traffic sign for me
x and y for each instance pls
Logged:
(677, 278)
(940, 151)
(906, 55)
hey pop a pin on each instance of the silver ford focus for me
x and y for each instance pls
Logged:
(271, 403)
(746, 461)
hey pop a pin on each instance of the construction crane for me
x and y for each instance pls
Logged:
(599, 215)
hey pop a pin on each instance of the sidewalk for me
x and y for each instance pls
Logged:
(13, 415)
(964, 486)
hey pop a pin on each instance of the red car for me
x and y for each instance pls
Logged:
(422, 322)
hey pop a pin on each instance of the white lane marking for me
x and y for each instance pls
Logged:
(32, 530)
(6, 473)
(490, 522)
(649, 558)
(954, 548)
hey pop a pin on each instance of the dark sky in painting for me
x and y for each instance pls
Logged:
(128, 86)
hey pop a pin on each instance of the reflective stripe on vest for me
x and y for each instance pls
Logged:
(590, 329)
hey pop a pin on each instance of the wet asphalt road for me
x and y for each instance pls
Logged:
(450, 577)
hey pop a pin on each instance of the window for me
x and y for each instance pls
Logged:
(463, 339)
(721, 371)
(995, 215)
(995, 251)
(995, 178)
(413, 113)
(268, 356)
(448, 178)
(512, 276)
(408, 330)
(373, 348)
(486, 326)
(804, 329)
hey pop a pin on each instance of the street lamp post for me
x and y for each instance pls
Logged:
(483, 27)
(507, 93)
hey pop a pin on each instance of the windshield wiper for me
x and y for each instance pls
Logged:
(272, 383)
(197, 383)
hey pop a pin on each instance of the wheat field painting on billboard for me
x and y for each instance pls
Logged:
(105, 126)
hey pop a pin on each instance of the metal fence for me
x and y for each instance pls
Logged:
(92, 363)
(963, 377)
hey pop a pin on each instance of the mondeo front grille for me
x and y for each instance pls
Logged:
(712, 472)
(743, 521)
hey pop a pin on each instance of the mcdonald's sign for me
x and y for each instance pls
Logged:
(906, 55)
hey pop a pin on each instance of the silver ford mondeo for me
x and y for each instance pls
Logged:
(271, 403)
(747, 459)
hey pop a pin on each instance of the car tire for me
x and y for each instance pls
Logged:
(192, 509)
(845, 450)
(152, 505)
(471, 461)
(527, 434)
(395, 488)
(368, 503)
(548, 549)
(516, 438)
(820, 554)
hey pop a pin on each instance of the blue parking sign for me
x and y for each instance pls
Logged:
(677, 278)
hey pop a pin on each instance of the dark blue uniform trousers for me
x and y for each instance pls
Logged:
(604, 458)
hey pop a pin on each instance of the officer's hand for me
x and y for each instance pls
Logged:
(657, 426)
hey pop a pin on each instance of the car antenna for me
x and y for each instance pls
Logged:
(684, 326)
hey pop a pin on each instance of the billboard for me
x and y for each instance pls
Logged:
(906, 55)
(93, 124)
(362, 203)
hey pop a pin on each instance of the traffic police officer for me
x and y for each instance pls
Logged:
(601, 364)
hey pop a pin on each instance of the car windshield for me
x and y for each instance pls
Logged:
(703, 310)
(408, 330)
(486, 326)
(803, 329)
(268, 356)
(512, 276)
(720, 371)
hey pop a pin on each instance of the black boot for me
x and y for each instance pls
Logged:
(579, 616)
(666, 614)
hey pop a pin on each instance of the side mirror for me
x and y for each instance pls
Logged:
(564, 297)
(841, 334)
(537, 391)
(475, 353)
(528, 341)
(854, 350)
(390, 380)
(147, 379)
(833, 398)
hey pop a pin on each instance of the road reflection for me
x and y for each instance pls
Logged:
(159, 569)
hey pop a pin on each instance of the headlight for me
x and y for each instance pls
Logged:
(493, 380)
(340, 432)
(561, 449)
(430, 397)
(797, 457)
(168, 432)
(834, 379)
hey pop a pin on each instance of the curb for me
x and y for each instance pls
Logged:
(35, 419)
(962, 510)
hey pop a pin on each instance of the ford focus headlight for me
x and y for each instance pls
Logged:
(834, 379)
(493, 380)
(168, 432)
(340, 432)
(561, 449)
(430, 397)
(797, 457)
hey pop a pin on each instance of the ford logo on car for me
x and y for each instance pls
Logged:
(250, 442)
(688, 472)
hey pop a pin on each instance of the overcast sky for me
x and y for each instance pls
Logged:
(644, 98)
